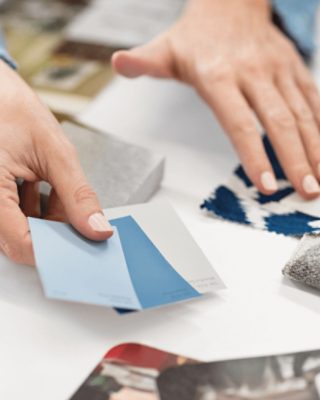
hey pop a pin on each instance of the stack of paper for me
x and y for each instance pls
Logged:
(151, 260)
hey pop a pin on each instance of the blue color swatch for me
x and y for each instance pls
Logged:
(155, 281)
(126, 271)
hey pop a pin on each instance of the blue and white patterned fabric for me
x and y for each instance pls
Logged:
(283, 212)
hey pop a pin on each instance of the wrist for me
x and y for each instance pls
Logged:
(262, 7)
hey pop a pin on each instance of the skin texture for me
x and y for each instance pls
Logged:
(34, 148)
(243, 67)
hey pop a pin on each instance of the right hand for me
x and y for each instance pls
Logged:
(241, 65)
(34, 148)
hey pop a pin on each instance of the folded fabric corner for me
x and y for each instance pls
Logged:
(304, 265)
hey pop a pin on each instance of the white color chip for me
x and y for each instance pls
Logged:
(166, 231)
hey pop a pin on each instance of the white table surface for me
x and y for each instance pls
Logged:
(47, 348)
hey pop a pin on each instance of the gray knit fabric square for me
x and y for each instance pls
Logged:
(304, 265)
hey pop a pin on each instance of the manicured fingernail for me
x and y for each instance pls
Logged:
(268, 181)
(99, 223)
(310, 184)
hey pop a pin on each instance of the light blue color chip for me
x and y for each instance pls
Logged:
(127, 271)
(76, 269)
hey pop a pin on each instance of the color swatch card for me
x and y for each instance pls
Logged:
(151, 260)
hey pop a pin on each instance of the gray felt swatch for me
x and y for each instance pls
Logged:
(304, 265)
(121, 173)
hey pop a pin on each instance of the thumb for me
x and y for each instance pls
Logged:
(79, 201)
(153, 59)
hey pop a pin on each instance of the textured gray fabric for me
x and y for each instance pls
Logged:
(304, 266)
(121, 173)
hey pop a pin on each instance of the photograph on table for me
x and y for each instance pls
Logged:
(67, 75)
(128, 371)
(280, 377)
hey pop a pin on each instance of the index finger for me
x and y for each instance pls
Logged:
(238, 120)
(284, 135)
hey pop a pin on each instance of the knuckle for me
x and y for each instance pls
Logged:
(281, 120)
(290, 48)
(62, 155)
(312, 145)
(8, 194)
(5, 160)
(254, 68)
(279, 64)
(70, 149)
(57, 143)
(243, 129)
(5, 183)
(69, 152)
(13, 252)
(299, 168)
(308, 87)
(213, 73)
(84, 193)
(304, 115)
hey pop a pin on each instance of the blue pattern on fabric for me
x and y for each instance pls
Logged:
(242, 175)
(293, 224)
(277, 169)
(279, 195)
(241, 202)
(225, 204)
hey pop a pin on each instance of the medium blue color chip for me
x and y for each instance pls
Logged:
(155, 281)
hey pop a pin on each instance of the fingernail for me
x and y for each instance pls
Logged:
(99, 223)
(268, 181)
(310, 184)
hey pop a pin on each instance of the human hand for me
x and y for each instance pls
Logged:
(241, 64)
(34, 148)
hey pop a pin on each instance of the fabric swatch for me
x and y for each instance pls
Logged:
(304, 266)
(282, 212)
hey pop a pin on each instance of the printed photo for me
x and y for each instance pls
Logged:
(285, 377)
(128, 372)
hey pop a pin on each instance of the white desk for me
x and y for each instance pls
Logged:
(47, 348)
